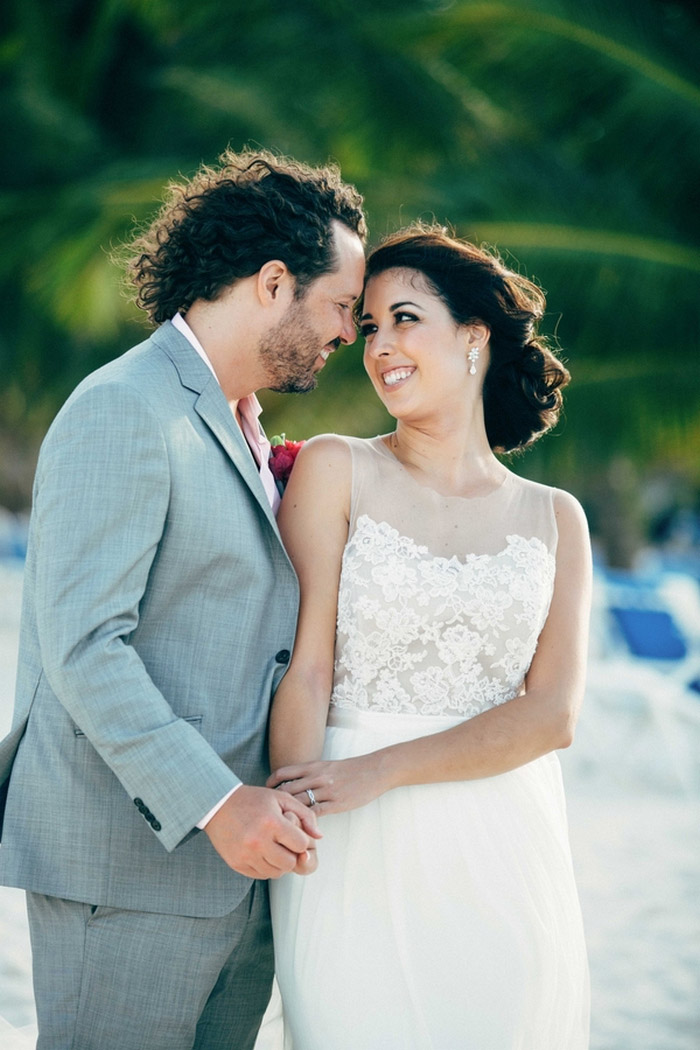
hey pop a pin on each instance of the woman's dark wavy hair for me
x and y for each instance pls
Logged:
(522, 387)
(227, 222)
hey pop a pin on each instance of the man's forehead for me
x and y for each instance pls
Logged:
(346, 240)
(349, 271)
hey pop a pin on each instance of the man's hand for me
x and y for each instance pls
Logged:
(307, 862)
(262, 833)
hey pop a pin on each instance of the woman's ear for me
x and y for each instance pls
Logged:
(478, 334)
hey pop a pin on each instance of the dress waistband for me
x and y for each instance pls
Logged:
(383, 721)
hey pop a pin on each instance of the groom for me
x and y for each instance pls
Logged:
(159, 614)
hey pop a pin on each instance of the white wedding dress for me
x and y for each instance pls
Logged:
(442, 916)
(17, 1038)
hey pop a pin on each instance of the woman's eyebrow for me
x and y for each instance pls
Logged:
(394, 306)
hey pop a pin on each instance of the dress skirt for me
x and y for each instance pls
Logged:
(441, 917)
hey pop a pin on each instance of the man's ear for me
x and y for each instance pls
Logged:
(274, 283)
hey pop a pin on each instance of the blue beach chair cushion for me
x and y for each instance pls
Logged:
(650, 633)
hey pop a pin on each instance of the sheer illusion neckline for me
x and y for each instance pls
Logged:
(400, 542)
(381, 448)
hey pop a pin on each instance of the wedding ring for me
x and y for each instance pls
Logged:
(312, 797)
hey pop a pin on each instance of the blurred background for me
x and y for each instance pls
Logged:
(566, 133)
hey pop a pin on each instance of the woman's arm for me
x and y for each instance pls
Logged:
(541, 720)
(313, 520)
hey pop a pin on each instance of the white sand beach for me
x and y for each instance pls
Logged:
(633, 784)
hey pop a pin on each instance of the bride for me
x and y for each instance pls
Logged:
(445, 604)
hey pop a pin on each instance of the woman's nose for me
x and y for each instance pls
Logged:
(381, 343)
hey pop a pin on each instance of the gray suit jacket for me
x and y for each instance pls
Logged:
(159, 613)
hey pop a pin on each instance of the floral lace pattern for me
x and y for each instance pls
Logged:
(420, 633)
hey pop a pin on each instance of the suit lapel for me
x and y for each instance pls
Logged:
(215, 411)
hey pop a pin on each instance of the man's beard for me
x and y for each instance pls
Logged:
(288, 353)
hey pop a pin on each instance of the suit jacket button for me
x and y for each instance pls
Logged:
(138, 802)
(156, 825)
(282, 656)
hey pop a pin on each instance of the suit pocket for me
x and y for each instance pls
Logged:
(194, 720)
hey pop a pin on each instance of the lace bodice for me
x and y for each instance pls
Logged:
(448, 625)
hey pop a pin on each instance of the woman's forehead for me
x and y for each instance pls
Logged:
(400, 277)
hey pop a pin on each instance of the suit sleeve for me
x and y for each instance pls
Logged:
(101, 501)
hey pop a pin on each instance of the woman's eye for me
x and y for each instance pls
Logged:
(401, 317)
(367, 329)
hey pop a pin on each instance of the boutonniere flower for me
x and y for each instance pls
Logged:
(283, 454)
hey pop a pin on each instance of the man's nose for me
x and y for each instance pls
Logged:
(349, 332)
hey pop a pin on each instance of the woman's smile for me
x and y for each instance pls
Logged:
(398, 375)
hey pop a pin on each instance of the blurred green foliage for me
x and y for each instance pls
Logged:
(565, 133)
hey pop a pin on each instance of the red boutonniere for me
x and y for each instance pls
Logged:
(282, 458)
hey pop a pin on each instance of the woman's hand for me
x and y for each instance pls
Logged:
(332, 787)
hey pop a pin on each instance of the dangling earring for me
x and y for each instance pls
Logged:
(473, 358)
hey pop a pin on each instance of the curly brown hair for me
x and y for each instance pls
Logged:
(522, 387)
(226, 222)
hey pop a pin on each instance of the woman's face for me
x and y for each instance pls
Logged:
(415, 354)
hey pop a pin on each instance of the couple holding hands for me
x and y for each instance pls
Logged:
(401, 640)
